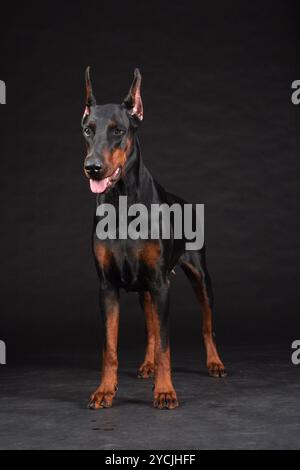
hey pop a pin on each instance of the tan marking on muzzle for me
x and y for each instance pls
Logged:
(118, 157)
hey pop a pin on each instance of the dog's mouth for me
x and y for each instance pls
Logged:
(103, 185)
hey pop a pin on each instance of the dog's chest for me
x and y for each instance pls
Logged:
(131, 264)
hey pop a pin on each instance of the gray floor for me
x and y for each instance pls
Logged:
(256, 407)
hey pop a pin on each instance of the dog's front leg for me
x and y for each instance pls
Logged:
(110, 308)
(146, 370)
(164, 392)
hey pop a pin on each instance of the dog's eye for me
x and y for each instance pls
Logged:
(87, 132)
(118, 131)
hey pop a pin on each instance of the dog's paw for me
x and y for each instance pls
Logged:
(216, 369)
(102, 399)
(165, 400)
(146, 370)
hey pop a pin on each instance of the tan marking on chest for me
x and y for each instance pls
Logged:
(150, 254)
(103, 256)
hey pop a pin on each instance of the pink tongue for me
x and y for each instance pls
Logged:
(99, 186)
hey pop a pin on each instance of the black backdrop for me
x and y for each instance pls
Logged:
(219, 128)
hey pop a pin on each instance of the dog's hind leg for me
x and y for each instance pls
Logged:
(146, 370)
(194, 266)
(164, 392)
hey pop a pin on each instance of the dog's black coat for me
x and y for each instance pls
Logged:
(144, 266)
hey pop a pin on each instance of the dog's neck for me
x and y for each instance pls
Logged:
(137, 182)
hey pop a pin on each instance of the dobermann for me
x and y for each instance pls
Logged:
(115, 168)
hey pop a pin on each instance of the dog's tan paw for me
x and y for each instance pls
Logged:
(146, 370)
(166, 400)
(102, 399)
(216, 369)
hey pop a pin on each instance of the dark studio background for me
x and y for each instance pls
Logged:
(219, 129)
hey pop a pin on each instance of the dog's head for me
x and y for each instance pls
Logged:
(108, 131)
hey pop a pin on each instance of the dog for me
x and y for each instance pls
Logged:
(115, 168)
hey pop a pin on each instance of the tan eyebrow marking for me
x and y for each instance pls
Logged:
(112, 124)
(92, 124)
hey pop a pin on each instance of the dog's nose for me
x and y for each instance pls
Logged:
(93, 167)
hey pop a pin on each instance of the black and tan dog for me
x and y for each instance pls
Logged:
(115, 168)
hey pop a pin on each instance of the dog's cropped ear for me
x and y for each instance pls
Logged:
(133, 100)
(90, 99)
